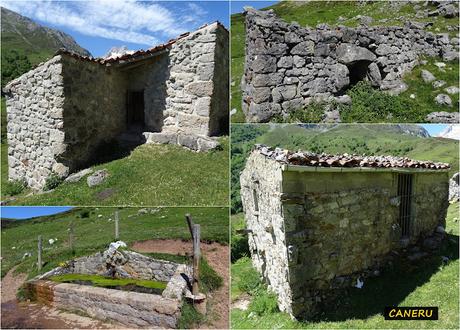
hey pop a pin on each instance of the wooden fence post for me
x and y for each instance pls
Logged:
(71, 238)
(39, 254)
(196, 259)
(116, 226)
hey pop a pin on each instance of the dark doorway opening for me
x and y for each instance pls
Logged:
(135, 110)
(405, 207)
(358, 72)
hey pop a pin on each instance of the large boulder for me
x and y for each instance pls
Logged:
(349, 54)
(97, 178)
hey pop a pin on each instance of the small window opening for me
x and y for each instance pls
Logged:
(256, 200)
(405, 207)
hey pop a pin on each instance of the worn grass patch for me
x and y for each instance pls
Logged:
(431, 282)
(94, 229)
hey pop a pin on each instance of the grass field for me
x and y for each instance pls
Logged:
(429, 282)
(94, 229)
(396, 13)
(154, 175)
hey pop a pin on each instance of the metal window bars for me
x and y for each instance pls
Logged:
(405, 193)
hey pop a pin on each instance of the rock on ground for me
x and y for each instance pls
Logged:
(443, 99)
(443, 117)
(427, 76)
(97, 178)
(77, 176)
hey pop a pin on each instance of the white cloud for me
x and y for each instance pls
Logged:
(128, 21)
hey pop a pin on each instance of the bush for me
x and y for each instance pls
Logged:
(239, 243)
(52, 181)
(250, 279)
(15, 187)
(264, 302)
(372, 106)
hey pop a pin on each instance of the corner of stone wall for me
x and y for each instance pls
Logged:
(35, 135)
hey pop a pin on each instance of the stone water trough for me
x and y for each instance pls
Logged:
(130, 308)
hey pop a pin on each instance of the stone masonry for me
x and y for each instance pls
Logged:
(126, 307)
(62, 113)
(288, 66)
(315, 230)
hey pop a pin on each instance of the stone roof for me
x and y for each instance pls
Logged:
(138, 55)
(306, 158)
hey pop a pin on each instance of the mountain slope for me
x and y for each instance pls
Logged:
(451, 132)
(26, 43)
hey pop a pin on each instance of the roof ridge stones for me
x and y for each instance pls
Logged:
(307, 158)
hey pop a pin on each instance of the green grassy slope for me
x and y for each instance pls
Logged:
(394, 13)
(429, 282)
(151, 175)
(94, 230)
(366, 139)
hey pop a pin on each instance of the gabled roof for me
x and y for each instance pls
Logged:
(306, 158)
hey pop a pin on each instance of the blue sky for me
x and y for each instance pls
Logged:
(26, 212)
(100, 25)
(434, 129)
(237, 6)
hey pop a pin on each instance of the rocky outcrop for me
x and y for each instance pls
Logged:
(454, 188)
(287, 65)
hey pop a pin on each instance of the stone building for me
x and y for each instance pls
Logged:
(288, 66)
(319, 223)
(65, 110)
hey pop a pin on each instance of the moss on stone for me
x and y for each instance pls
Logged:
(103, 281)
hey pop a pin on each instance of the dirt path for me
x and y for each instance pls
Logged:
(217, 256)
(23, 315)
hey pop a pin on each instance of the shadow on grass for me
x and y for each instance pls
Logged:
(391, 288)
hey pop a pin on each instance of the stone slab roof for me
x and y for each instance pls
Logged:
(138, 55)
(306, 158)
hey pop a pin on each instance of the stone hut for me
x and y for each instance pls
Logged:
(319, 223)
(65, 110)
(288, 66)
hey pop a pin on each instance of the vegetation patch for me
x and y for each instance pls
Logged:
(109, 282)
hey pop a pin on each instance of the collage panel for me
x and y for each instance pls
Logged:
(120, 125)
(332, 224)
(107, 267)
(344, 61)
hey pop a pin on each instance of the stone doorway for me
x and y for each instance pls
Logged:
(358, 72)
(135, 111)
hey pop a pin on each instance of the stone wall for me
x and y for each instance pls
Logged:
(128, 308)
(94, 110)
(288, 66)
(190, 87)
(324, 230)
(137, 265)
(35, 129)
(261, 182)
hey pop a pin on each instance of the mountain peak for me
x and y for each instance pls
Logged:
(20, 32)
